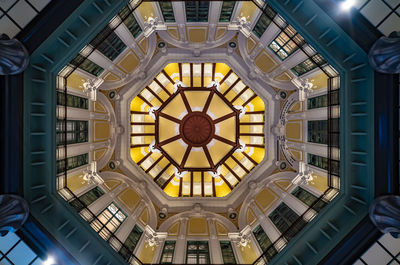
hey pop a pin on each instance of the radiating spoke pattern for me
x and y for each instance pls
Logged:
(185, 135)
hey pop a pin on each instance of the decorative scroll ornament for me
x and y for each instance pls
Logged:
(241, 109)
(384, 213)
(152, 147)
(242, 238)
(152, 112)
(215, 174)
(242, 147)
(14, 211)
(178, 84)
(179, 174)
(304, 87)
(304, 176)
(279, 129)
(14, 57)
(91, 175)
(91, 88)
(150, 22)
(151, 237)
(216, 84)
(384, 55)
(243, 22)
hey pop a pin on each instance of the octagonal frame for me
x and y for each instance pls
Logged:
(235, 113)
(324, 232)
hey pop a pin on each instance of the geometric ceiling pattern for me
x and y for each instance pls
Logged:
(197, 129)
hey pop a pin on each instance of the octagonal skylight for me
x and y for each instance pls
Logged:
(197, 129)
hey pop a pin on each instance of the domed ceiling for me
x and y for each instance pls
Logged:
(202, 108)
(197, 129)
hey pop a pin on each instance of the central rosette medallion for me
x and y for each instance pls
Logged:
(197, 129)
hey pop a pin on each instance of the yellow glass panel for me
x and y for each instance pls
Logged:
(227, 129)
(230, 163)
(170, 87)
(171, 68)
(163, 95)
(197, 177)
(222, 68)
(163, 162)
(238, 156)
(258, 104)
(207, 80)
(207, 178)
(149, 129)
(231, 95)
(223, 190)
(218, 107)
(224, 170)
(172, 190)
(197, 159)
(175, 107)
(136, 154)
(258, 154)
(186, 80)
(223, 87)
(197, 99)
(166, 129)
(155, 102)
(175, 150)
(136, 104)
(197, 81)
(219, 150)
(238, 102)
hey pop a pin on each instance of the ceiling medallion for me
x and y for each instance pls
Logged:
(197, 128)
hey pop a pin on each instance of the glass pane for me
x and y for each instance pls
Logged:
(21, 254)
(8, 241)
(167, 11)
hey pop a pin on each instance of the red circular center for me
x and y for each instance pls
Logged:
(197, 129)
